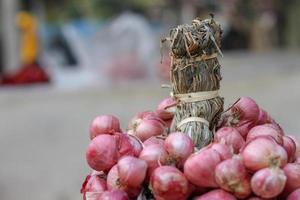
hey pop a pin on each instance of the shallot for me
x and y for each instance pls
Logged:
(217, 194)
(224, 151)
(154, 140)
(199, 168)
(232, 176)
(292, 172)
(297, 153)
(290, 147)
(263, 152)
(231, 137)
(146, 126)
(263, 117)
(132, 171)
(294, 195)
(153, 155)
(266, 130)
(165, 109)
(114, 195)
(268, 182)
(102, 152)
(93, 185)
(104, 124)
(169, 183)
(179, 147)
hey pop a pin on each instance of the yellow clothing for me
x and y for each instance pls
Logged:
(29, 38)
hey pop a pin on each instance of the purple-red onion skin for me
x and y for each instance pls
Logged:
(154, 140)
(244, 127)
(223, 150)
(264, 130)
(297, 160)
(93, 185)
(137, 145)
(217, 194)
(114, 195)
(104, 124)
(297, 153)
(102, 152)
(132, 171)
(153, 155)
(199, 168)
(125, 147)
(179, 147)
(294, 195)
(268, 182)
(232, 176)
(292, 172)
(290, 147)
(263, 117)
(166, 108)
(231, 137)
(147, 127)
(263, 152)
(169, 183)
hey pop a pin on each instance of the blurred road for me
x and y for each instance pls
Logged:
(44, 131)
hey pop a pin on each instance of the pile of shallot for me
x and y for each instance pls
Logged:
(250, 158)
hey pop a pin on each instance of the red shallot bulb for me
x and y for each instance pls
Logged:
(147, 126)
(132, 171)
(124, 145)
(268, 182)
(113, 183)
(245, 109)
(297, 153)
(114, 195)
(224, 151)
(263, 152)
(154, 140)
(290, 147)
(263, 117)
(297, 160)
(244, 127)
(93, 186)
(199, 168)
(166, 109)
(292, 172)
(104, 124)
(266, 130)
(169, 183)
(153, 155)
(179, 147)
(294, 195)
(217, 194)
(102, 152)
(232, 176)
(231, 137)
(136, 144)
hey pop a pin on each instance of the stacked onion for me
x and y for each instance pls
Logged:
(250, 158)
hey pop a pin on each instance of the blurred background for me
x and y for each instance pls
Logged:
(64, 62)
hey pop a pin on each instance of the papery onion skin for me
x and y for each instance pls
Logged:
(268, 182)
(263, 152)
(297, 153)
(199, 168)
(168, 183)
(231, 137)
(264, 130)
(166, 108)
(104, 124)
(263, 117)
(294, 195)
(153, 155)
(102, 152)
(137, 145)
(223, 150)
(179, 147)
(154, 140)
(94, 184)
(132, 171)
(290, 147)
(292, 172)
(232, 176)
(114, 195)
(244, 127)
(245, 109)
(125, 147)
(113, 183)
(217, 194)
(146, 127)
